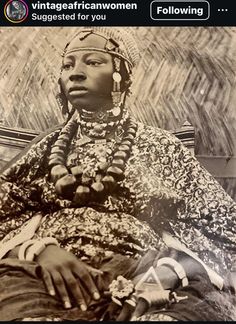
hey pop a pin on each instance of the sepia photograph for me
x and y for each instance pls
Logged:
(117, 173)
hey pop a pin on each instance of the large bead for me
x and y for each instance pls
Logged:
(57, 172)
(98, 187)
(103, 166)
(82, 195)
(109, 183)
(61, 144)
(121, 155)
(64, 137)
(126, 142)
(56, 155)
(57, 149)
(118, 163)
(66, 186)
(129, 137)
(56, 161)
(124, 148)
(116, 173)
(77, 171)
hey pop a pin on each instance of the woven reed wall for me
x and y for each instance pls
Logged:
(184, 74)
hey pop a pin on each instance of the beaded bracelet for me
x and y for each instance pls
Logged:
(177, 267)
(32, 248)
(38, 247)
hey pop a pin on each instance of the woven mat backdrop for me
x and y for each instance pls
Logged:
(186, 73)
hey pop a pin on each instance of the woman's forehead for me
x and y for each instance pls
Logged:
(91, 41)
(78, 54)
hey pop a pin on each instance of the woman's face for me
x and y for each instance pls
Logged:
(86, 77)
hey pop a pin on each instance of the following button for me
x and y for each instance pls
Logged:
(180, 10)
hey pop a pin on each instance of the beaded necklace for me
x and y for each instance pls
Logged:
(74, 183)
(100, 130)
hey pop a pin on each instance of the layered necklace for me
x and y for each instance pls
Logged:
(74, 183)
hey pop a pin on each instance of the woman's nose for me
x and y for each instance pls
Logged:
(78, 74)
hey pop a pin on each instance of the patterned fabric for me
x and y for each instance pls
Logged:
(148, 317)
(165, 189)
(41, 319)
(156, 318)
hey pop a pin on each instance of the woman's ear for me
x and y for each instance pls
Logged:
(62, 100)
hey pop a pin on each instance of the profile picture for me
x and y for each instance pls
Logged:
(16, 11)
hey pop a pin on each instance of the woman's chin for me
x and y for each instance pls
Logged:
(89, 104)
(80, 102)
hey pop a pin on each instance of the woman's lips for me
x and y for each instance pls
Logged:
(78, 91)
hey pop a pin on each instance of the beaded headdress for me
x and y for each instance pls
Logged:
(119, 42)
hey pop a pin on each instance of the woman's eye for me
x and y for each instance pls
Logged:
(67, 66)
(94, 63)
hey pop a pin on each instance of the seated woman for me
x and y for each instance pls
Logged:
(103, 199)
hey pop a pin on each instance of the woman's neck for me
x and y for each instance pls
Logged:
(101, 123)
(101, 114)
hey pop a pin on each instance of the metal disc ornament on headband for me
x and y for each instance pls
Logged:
(116, 76)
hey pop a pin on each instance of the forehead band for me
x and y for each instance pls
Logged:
(95, 49)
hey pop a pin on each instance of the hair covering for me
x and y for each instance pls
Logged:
(120, 42)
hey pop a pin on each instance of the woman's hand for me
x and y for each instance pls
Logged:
(63, 273)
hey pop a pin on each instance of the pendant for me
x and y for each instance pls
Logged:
(116, 111)
(118, 134)
(101, 115)
(116, 77)
(84, 140)
(99, 151)
(94, 133)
